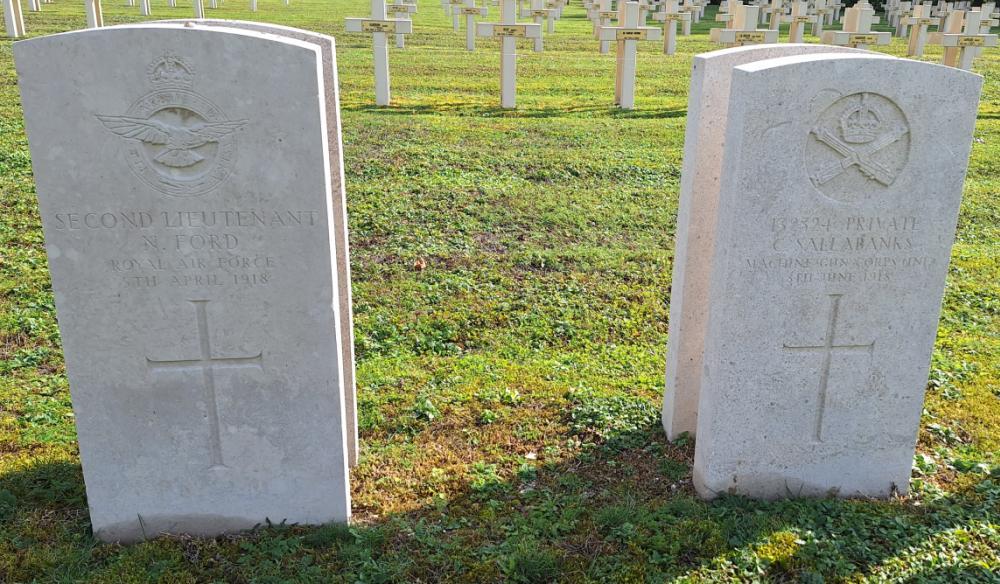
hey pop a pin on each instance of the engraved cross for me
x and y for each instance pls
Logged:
(207, 364)
(827, 348)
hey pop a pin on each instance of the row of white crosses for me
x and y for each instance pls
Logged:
(964, 37)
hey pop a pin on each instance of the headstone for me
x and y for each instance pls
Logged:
(13, 20)
(857, 31)
(327, 46)
(744, 30)
(670, 15)
(471, 12)
(508, 31)
(627, 36)
(196, 283)
(828, 271)
(401, 10)
(379, 26)
(698, 210)
(538, 13)
(962, 40)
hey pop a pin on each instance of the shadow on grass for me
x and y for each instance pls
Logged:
(620, 508)
(486, 111)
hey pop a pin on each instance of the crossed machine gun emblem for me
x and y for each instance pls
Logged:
(860, 126)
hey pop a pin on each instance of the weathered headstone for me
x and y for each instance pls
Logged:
(828, 271)
(327, 46)
(708, 103)
(188, 223)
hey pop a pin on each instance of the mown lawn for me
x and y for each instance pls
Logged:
(512, 287)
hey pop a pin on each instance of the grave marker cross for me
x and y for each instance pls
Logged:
(744, 29)
(508, 31)
(797, 20)
(13, 19)
(669, 16)
(961, 48)
(627, 37)
(539, 13)
(401, 10)
(857, 30)
(379, 26)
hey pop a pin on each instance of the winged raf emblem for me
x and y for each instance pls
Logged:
(180, 142)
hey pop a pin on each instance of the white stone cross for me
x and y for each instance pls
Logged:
(820, 9)
(207, 364)
(471, 12)
(962, 48)
(508, 31)
(694, 9)
(379, 26)
(456, 11)
(727, 9)
(627, 35)
(199, 8)
(797, 20)
(903, 11)
(401, 10)
(144, 8)
(538, 13)
(744, 29)
(775, 12)
(918, 24)
(13, 20)
(34, 5)
(95, 16)
(669, 16)
(857, 31)
(602, 15)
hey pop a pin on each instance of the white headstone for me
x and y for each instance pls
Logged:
(327, 46)
(186, 201)
(698, 209)
(827, 272)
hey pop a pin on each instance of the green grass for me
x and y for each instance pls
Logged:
(509, 390)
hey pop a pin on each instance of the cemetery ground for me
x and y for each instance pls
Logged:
(511, 278)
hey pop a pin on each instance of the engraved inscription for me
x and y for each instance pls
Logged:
(207, 364)
(858, 145)
(178, 142)
(827, 348)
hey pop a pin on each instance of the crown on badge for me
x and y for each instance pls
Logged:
(860, 123)
(171, 71)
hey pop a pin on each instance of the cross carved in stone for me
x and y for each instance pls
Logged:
(207, 364)
(827, 349)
